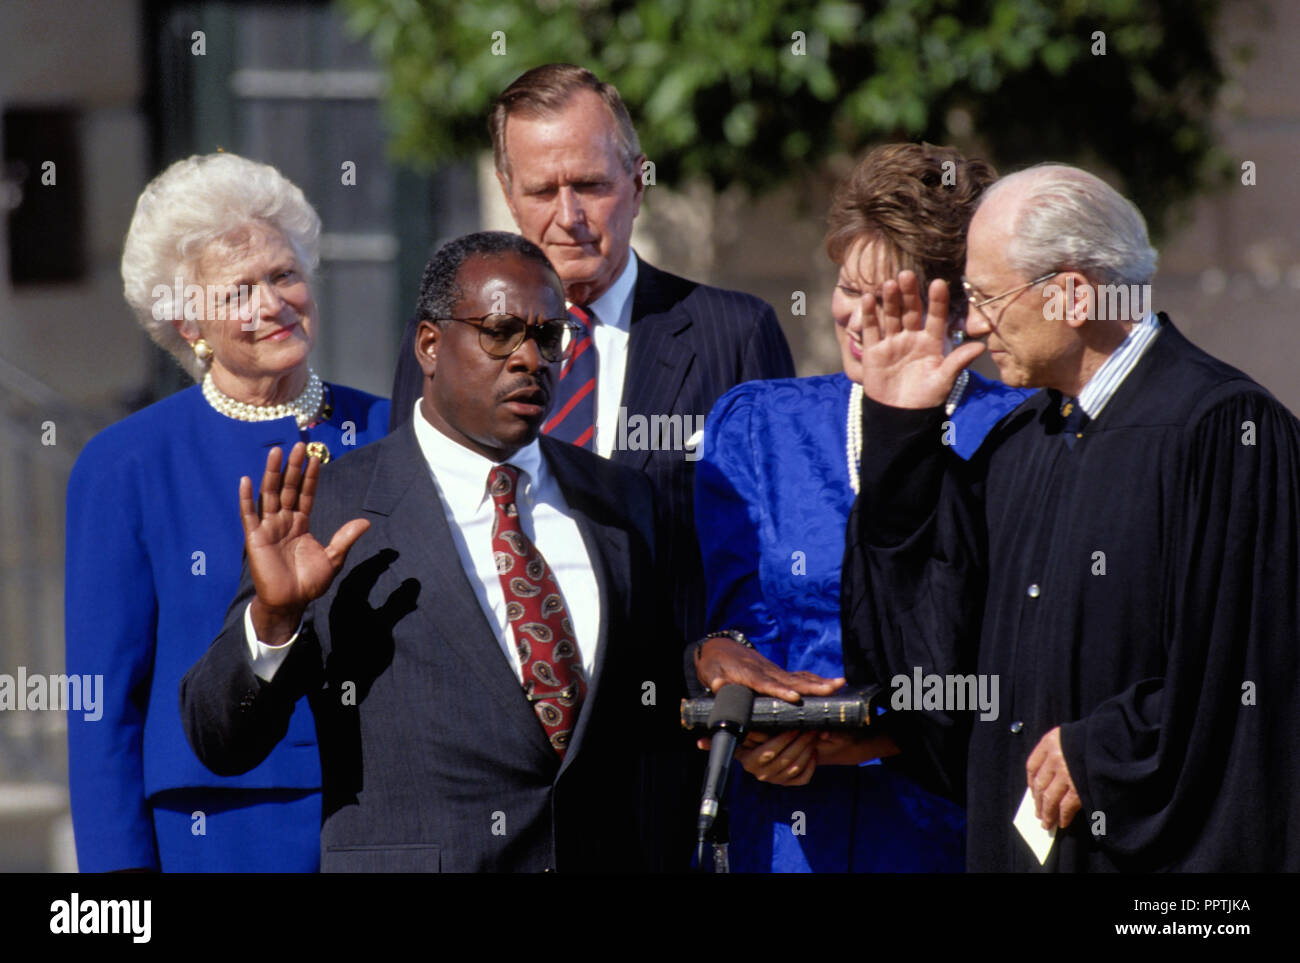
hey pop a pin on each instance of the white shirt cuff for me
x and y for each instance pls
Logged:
(266, 659)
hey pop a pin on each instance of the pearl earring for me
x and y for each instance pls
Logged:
(202, 351)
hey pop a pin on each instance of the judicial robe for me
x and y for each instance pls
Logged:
(1138, 588)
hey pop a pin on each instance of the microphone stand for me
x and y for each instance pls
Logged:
(728, 720)
(719, 837)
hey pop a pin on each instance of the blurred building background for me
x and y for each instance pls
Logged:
(112, 91)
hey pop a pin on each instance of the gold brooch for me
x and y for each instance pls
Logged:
(317, 449)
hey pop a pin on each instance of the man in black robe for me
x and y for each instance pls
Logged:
(1122, 554)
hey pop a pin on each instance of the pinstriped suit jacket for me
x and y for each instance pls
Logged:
(690, 343)
(431, 757)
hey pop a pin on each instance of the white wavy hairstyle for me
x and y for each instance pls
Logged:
(192, 204)
(1071, 219)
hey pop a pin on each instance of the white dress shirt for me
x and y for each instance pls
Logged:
(612, 314)
(461, 476)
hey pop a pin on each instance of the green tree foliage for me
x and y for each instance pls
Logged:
(754, 92)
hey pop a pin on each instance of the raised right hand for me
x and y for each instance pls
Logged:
(289, 567)
(903, 361)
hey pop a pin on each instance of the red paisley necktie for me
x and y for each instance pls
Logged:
(548, 650)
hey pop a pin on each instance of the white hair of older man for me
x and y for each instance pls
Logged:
(1070, 219)
(192, 204)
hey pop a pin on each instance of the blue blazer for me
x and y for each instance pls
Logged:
(154, 549)
(437, 762)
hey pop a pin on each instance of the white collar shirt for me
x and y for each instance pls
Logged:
(611, 328)
(461, 477)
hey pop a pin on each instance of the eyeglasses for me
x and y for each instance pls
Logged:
(972, 293)
(500, 335)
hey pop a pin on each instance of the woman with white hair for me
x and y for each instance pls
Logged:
(217, 266)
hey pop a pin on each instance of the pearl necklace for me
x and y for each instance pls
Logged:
(853, 450)
(304, 409)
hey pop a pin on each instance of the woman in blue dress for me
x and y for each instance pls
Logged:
(776, 480)
(217, 266)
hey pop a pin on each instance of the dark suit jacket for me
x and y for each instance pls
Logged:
(431, 757)
(690, 343)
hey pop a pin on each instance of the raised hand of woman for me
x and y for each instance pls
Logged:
(903, 360)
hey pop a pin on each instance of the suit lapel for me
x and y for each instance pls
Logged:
(607, 548)
(657, 359)
(402, 490)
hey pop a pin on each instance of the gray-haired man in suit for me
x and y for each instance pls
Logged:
(570, 165)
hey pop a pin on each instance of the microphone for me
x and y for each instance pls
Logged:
(728, 720)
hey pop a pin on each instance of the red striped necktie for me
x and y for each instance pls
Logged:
(573, 416)
(550, 662)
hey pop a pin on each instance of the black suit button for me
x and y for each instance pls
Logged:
(1017, 726)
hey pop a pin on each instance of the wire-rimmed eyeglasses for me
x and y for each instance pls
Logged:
(973, 294)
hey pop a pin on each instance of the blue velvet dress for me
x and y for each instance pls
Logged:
(772, 499)
(154, 552)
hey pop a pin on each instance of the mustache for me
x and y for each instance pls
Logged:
(527, 387)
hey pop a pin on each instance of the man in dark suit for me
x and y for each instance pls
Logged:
(661, 349)
(477, 633)
(657, 352)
